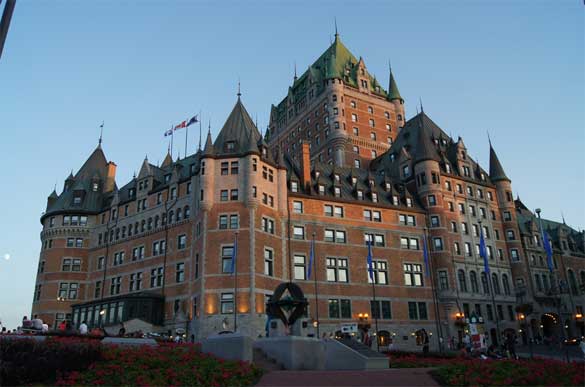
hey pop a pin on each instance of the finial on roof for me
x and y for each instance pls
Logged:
(239, 91)
(134, 175)
(563, 217)
(101, 134)
(295, 78)
(256, 123)
(336, 33)
(422, 110)
(489, 139)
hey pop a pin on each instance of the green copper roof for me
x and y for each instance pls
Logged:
(393, 92)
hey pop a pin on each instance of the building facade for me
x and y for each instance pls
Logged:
(338, 168)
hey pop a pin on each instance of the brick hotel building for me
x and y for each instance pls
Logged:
(341, 165)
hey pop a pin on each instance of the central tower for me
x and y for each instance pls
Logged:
(336, 105)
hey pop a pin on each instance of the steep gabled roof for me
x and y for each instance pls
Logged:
(96, 162)
(239, 134)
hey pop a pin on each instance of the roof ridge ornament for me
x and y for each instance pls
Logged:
(101, 134)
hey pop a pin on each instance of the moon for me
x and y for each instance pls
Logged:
(7, 256)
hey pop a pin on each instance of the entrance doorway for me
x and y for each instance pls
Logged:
(494, 336)
(549, 323)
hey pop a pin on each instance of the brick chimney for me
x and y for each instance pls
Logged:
(306, 165)
(110, 176)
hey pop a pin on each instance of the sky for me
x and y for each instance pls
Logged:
(515, 69)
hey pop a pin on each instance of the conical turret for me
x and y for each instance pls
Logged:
(496, 170)
(393, 92)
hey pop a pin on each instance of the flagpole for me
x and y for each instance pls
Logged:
(186, 134)
(431, 272)
(172, 137)
(316, 289)
(235, 263)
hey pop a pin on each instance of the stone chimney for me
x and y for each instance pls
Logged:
(110, 177)
(306, 166)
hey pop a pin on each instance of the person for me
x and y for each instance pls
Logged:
(425, 340)
(83, 328)
(582, 346)
(467, 342)
(62, 326)
(511, 345)
(3, 330)
(122, 332)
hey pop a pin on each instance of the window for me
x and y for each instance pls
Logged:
(462, 280)
(443, 280)
(357, 163)
(226, 258)
(234, 168)
(339, 308)
(435, 221)
(456, 248)
(138, 253)
(453, 226)
(374, 239)
(298, 232)
(298, 207)
(417, 311)
(385, 309)
(98, 289)
(223, 222)
(115, 285)
(337, 269)
(473, 282)
(179, 272)
(223, 195)
(227, 303)
(135, 281)
(413, 274)
(514, 255)
(409, 243)
(380, 274)
(507, 216)
(156, 277)
(461, 208)
(294, 186)
(408, 220)
(118, 258)
(173, 195)
(484, 283)
(181, 241)
(354, 117)
(432, 200)
(69, 264)
(510, 235)
(268, 225)
(234, 194)
(438, 243)
(68, 290)
(300, 267)
(506, 284)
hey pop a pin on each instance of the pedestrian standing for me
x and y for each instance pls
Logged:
(83, 328)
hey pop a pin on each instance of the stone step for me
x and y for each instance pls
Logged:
(361, 348)
(262, 361)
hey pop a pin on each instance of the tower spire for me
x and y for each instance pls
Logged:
(101, 134)
(422, 110)
(295, 78)
(239, 91)
(336, 33)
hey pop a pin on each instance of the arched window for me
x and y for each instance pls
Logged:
(187, 212)
(506, 284)
(462, 280)
(130, 229)
(484, 283)
(495, 283)
(473, 281)
(149, 224)
(538, 282)
(156, 221)
(179, 215)
(573, 282)
(142, 225)
(171, 216)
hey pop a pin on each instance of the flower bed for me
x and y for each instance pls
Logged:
(166, 365)
(537, 372)
(456, 370)
(82, 361)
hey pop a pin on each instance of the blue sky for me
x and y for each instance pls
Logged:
(515, 69)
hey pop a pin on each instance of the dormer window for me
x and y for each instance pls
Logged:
(392, 157)
(405, 171)
(388, 186)
(337, 178)
(353, 180)
(337, 191)
(448, 168)
(371, 182)
(167, 177)
(374, 197)
(395, 200)
(408, 202)
(360, 194)
(132, 192)
(263, 152)
(230, 146)
(321, 189)
(317, 173)
(77, 200)
(140, 186)
(95, 186)
(482, 176)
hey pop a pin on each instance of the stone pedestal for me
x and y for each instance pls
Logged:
(294, 352)
(229, 346)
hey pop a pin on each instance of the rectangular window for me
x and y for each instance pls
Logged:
(268, 225)
(223, 222)
(269, 262)
(226, 258)
(223, 195)
(181, 242)
(297, 207)
(234, 222)
(300, 267)
(234, 194)
(413, 275)
(380, 273)
(384, 307)
(417, 311)
(135, 281)
(156, 277)
(180, 272)
(227, 303)
(443, 280)
(298, 232)
(337, 269)
(224, 168)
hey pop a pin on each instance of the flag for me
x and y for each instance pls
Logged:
(234, 256)
(311, 259)
(483, 252)
(369, 259)
(181, 125)
(168, 132)
(193, 120)
(426, 256)
(548, 249)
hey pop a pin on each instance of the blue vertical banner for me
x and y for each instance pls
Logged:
(426, 256)
(483, 252)
(234, 255)
(311, 259)
(548, 249)
(370, 263)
